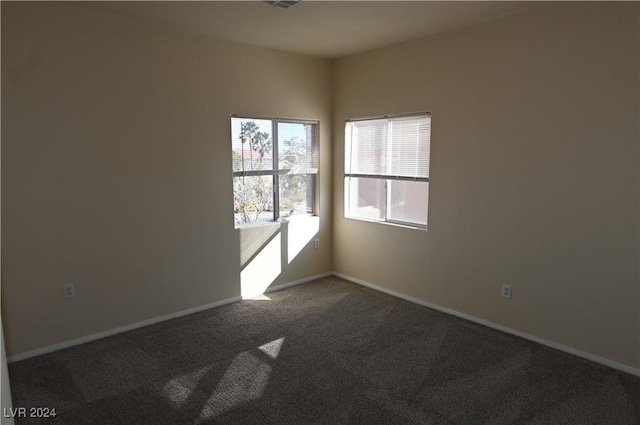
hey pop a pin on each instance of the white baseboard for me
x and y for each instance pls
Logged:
(289, 284)
(597, 359)
(298, 282)
(77, 341)
(100, 335)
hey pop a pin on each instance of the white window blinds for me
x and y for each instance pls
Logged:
(389, 148)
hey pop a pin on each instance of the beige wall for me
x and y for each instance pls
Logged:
(116, 168)
(534, 173)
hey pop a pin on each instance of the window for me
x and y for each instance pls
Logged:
(387, 169)
(273, 180)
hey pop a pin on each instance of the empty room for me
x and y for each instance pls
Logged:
(320, 212)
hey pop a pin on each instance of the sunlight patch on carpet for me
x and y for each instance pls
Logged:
(272, 349)
(179, 389)
(261, 297)
(244, 381)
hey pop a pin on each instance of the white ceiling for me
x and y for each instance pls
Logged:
(330, 29)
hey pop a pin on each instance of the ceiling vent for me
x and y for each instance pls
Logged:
(284, 4)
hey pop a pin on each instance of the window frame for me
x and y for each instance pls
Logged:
(275, 172)
(386, 178)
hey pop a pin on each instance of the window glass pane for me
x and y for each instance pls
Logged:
(366, 198)
(296, 194)
(408, 201)
(297, 150)
(252, 144)
(253, 199)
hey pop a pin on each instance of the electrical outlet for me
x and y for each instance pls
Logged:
(316, 243)
(506, 291)
(68, 291)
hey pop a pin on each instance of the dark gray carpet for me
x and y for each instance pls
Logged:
(325, 352)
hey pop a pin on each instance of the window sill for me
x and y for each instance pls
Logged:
(390, 223)
(300, 218)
